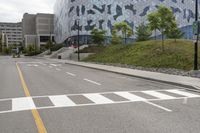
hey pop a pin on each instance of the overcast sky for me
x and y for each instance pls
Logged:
(13, 10)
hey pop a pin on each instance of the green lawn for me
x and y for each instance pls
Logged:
(177, 55)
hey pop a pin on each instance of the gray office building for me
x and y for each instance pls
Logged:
(37, 29)
(12, 33)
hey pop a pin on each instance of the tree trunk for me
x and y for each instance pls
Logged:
(163, 41)
(125, 37)
(155, 34)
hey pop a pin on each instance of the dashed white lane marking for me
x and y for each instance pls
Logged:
(158, 95)
(130, 96)
(58, 69)
(32, 65)
(93, 82)
(98, 99)
(71, 74)
(25, 103)
(158, 106)
(28, 62)
(183, 93)
(61, 101)
(53, 65)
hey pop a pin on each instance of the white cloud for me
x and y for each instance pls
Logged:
(13, 10)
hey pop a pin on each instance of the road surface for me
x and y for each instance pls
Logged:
(38, 96)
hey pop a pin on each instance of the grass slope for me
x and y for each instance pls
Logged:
(149, 54)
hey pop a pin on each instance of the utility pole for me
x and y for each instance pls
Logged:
(197, 38)
(50, 42)
(78, 23)
(50, 38)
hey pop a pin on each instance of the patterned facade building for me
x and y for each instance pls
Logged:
(103, 14)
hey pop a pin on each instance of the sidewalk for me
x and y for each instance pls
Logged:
(190, 82)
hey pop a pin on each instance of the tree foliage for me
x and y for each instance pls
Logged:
(143, 32)
(98, 36)
(31, 50)
(124, 28)
(175, 34)
(6, 50)
(153, 22)
(165, 21)
(49, 44)
(116, 39)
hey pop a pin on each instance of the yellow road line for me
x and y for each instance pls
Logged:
(38, 121)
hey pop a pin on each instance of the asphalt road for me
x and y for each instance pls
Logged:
(59, 98)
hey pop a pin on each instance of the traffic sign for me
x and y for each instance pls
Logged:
(195, 27)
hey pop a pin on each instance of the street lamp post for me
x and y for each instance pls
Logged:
(35, 47)
(197, 38)
(78, 23)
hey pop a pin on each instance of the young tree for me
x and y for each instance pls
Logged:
(98, 36)
(49, 44)
(124, 28)
(175, 33)
(6, 50)
(30, 49)
(143, 32)
(116, 39)
(163, 20)
(153, 22)
(167, 21)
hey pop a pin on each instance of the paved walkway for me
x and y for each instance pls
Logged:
(167, 78)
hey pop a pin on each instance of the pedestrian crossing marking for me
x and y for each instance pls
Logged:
(130, 96)
(20, 104)
(35, 64)
(61, 101)
(98, 99)
(183, 93)
(53, 65)
(32, 65)
(27, 103)
(158, 95)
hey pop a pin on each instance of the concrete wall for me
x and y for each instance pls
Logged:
(28, 24)
(35, 26)
(44, 23)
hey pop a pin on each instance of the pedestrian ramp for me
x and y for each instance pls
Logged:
(89, 99)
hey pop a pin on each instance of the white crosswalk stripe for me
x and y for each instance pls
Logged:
(61, 101)
(130, 96)
(183, 93)
(53, 65)
(20, 104)
(32, 65)
(98, 99)
(28, 103)
(158, 95)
